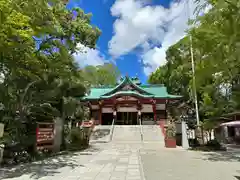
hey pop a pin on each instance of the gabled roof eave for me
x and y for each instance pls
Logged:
(123, 83)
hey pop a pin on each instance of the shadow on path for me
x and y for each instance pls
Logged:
(36, 170)
(47, 167)
(222, 156)
(100, 133)
(237, 177)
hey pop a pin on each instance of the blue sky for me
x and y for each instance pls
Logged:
(135, 33)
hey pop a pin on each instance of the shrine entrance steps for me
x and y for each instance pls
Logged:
(137, 134)
(152, 133)
(126, 133)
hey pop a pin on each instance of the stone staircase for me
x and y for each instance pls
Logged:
(152, 133)
(126, 133)
(132, 133)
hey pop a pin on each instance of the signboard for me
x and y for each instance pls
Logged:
(147, 108)
(107, 110)
(45, 136)
(127, 109)
(160, 106)
(95, 106)
(87, 123)
(126, 98)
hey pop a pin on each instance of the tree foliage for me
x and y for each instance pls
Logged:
(216, 41)
(39, 77)
(102, 75)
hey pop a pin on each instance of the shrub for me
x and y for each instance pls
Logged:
(14, 154)
(79, 139)
(193, 142)
(214, 145)
(170, 131)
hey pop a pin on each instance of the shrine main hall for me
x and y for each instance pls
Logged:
(129, 103)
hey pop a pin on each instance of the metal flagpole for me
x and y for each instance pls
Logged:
(193, 72)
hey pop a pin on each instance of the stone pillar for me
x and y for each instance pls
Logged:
(1, 145)
(58, 134)
(185, 143)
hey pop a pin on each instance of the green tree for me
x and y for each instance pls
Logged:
(216, 54)
(40, 77)
(101, 75)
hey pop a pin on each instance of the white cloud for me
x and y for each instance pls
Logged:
(152, 59)
(139, 25)
(135, 25)
(87, 56)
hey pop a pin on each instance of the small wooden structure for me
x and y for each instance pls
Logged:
(229, 132)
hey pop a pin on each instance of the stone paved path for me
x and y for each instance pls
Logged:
(189, 165)
(131, 161)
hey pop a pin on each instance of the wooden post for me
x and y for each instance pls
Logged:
(100, 113)
(154, 111)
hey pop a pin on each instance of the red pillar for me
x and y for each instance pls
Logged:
(100, 116)
(154, 111)
(100, 113)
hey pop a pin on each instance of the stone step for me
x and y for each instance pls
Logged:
(152, 133)
(126, 133)
(132, 133)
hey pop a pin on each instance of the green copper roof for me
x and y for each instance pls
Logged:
(144, 91)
